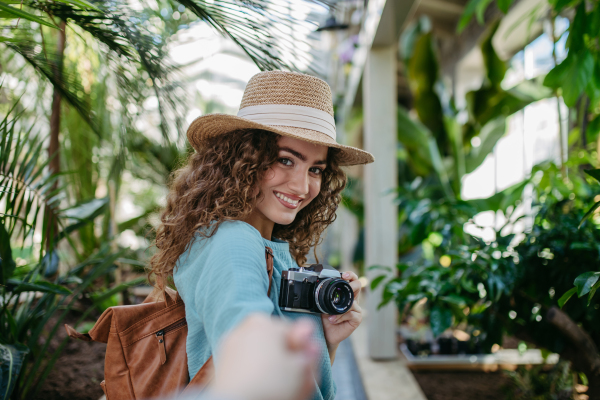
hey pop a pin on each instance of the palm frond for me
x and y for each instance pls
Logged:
(26, 186)
(67, 84)
(132, 47)
(262, 28)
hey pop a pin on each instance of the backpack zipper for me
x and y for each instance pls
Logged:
(160, 336)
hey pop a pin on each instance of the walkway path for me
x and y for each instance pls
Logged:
(346, 374)
(382, 380)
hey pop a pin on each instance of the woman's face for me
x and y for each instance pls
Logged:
(293, 181)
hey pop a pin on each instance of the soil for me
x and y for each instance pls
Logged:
(78, 371)
(465, 385)
(462, 385)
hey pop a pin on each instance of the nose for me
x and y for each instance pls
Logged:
(299, 182)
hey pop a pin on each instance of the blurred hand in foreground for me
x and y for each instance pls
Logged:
(266, 359)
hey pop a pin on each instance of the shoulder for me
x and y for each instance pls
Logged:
(232, 239)
(233, 244)
(237, 230)
(233, 235)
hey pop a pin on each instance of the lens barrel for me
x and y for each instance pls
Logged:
(334, 296)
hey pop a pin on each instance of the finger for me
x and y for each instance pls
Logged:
(355, 307)
(347, 316)
(351, 316)
(356, 287)
(349, 276)
(354, 282)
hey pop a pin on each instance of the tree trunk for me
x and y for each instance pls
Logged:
(54, 146)
(582, 351)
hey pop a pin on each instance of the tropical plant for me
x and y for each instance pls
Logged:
(438, 152)
(505, 287)
(459, 285)
(576, 79)
(437, 143)
(586, 283)
(34, 296)
(536, 383)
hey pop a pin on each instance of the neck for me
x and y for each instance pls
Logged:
(262, 224)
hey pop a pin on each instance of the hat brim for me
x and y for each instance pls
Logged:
(212, 125)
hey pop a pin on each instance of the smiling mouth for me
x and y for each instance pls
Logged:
(287, 201)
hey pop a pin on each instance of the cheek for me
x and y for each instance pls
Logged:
(269, 175)
(314, 189)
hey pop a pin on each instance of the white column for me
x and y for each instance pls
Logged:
(381, 215)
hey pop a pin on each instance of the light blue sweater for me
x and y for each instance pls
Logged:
(223, 279)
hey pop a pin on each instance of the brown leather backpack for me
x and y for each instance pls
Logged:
(146, 347)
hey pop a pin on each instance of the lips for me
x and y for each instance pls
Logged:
(288, 201)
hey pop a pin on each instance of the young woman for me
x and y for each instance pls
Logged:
(269, 177)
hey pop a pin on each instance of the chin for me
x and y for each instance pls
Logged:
(283, 219)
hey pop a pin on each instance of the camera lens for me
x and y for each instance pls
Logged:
(334, 296)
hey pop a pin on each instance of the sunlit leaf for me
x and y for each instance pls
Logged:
(589, 213)
(565, 297)
(375, 282)
(17, 13)
(585, 281)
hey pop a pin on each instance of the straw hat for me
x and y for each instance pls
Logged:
(286, 103)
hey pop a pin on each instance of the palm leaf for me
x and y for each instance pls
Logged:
(26, 188)
(67, 84)
(17, 13)
(260, 27)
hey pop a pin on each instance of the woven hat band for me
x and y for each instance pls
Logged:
(290, 115)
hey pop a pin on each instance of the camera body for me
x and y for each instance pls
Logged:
(316, 289)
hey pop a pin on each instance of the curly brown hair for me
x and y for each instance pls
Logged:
(219, 183)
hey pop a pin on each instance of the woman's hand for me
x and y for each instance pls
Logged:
(339, 327)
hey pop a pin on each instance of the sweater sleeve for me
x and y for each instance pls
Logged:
(234, 281)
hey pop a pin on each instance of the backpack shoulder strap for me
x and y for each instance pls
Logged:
(207, 372)
(269, 259)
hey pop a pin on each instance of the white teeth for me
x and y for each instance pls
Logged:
(282, 197)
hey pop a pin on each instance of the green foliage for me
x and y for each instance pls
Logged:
(576, 71)
(478, 276)
(423, 70)
(537, 384)
(577, 77)
(499, 287)
(436, 143)
(11, 362)
(13, 12)
(586, 282)
(478, 7)
(32, 305)
(553, 256)
(423, 211)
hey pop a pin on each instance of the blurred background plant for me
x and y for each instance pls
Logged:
(538, 383)
(545, 243)
(513, 284)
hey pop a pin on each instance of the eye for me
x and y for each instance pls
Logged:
(316, 170)
(286, 161)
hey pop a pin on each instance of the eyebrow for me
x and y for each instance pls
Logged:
(300, 155)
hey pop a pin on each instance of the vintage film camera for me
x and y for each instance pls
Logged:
(315, 289)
